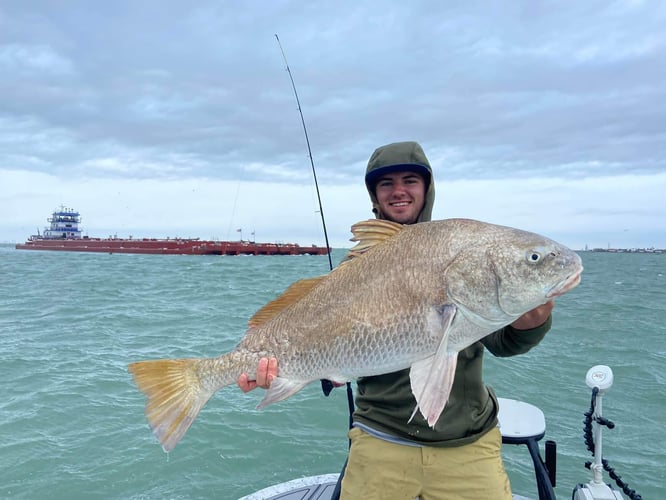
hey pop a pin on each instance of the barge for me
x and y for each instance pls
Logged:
(64, 234)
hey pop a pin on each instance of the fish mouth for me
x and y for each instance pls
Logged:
(567, 284)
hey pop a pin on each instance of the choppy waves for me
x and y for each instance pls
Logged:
(72, 422)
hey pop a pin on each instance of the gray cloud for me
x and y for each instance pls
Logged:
(493, 90)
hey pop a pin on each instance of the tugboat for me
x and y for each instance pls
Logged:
(64, 234)
(64, 225)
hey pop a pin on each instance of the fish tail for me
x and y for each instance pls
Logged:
(176, 393)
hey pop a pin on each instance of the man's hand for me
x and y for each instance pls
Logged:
(535, 317)
(267, 371)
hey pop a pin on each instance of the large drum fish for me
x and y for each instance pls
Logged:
(406, 296)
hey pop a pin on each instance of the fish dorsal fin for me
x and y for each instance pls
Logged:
(366, 233)
(369, 233)
(291, 295)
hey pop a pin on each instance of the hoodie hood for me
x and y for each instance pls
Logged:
(400, 157)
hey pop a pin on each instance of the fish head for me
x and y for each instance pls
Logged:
(505, 272)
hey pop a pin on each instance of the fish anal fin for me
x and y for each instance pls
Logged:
(293, 294)
(281, 388)
(175, 396)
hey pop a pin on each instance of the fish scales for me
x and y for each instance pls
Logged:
(408, 296)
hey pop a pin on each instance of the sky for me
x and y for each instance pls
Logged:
(169, 118)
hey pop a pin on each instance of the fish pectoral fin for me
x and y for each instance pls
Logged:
(431, 378)
(281, 388)
(418, 378)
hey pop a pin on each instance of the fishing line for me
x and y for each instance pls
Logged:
(307, 141)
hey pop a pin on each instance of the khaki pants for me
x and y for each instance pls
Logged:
(381, 470)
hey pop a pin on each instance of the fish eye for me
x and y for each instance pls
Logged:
(533, 256)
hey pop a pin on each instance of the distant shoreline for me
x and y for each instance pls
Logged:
(625, 250)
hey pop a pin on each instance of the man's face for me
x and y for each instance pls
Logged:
(401, 196)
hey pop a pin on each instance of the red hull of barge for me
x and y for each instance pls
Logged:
(169, 247)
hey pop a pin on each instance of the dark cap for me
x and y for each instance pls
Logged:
(397, 157)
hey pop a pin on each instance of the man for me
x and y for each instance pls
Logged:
(391, 457)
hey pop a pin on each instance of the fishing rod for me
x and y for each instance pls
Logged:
(326, 385)
(307, 141)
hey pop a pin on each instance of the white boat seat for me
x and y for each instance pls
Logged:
(519, 421)
(523, 423)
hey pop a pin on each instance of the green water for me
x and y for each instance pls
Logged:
(72, 424)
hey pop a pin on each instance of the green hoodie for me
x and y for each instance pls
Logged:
(385, 402)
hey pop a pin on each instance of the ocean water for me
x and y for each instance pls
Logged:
(72, 423)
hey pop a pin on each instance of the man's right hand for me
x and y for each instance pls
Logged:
(267, 371)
